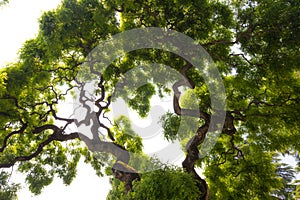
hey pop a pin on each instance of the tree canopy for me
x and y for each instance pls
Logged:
(255, 47)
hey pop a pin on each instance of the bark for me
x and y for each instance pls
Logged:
(192, 156)
(192, 147)
(121, 170)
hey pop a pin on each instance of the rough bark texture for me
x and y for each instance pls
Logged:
(125, 173)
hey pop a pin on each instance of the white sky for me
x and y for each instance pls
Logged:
(18, 22)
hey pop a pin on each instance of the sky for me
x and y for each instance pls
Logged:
(19, 22)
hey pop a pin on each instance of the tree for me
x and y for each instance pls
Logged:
(7, 190)
(254, 45)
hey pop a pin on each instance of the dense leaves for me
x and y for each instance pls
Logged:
(165, 183)
(8, 190)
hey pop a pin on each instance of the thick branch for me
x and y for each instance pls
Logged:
(121, 169)
(177, 109)
(56, 135)
(192, 156)
(192, 146)
(21, 130)
(125, 173)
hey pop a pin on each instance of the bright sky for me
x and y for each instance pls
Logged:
(18, 22)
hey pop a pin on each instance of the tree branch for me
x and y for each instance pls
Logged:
(56, 135)
(186, 82)
(192, 156)
(21, 130)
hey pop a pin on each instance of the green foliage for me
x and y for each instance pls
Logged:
(232, 176)
(297, 190)
(77, 26)
(3, 77)
(8, 190)
(165, 183)
(38, 178)
(141, 99)
(125, 136)
(55, 160)
(170, 124)
(182, 127)
(287, 175)
(98, 161)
